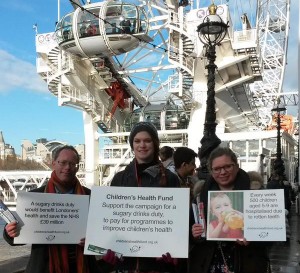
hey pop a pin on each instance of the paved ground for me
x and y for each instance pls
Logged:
(285, 258)
(12, 259)
(8, 252)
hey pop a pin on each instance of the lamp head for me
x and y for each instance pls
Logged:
(212, 9)
(212, 30)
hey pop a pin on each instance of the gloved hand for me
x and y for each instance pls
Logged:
(167, 258)
(110, 257)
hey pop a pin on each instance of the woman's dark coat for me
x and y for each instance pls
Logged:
(248, 259)
(150, 177)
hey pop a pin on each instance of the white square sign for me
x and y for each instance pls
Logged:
(47, 218)
(143, 222)
(256, 215)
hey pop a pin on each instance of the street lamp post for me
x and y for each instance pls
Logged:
(211, 32)
(278, 165)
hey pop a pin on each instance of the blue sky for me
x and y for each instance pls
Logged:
(27, 109)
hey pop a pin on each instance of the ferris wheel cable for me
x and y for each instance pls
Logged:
(145, 80)
(151, 80)
(115, 58)
(148, 51)
(131, 81)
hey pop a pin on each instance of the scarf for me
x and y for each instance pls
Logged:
(139, 168)
(59, 254)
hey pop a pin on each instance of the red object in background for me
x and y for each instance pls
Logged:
(91, 30)
(286, 123)
(118, 95)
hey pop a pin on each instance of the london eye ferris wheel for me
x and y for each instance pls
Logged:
(121, 62)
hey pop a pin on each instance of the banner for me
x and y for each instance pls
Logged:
(256, 215)
(47, 218)
(141, 222)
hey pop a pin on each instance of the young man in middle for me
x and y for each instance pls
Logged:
(184, 161)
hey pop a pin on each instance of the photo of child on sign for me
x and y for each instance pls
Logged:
(226, 219)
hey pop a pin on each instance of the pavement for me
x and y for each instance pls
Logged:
(13, 259)
(285, 257)
(15, 265)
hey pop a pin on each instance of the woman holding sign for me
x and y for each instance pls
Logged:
(146, 171)
(213, 256)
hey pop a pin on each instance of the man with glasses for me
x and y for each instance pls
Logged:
(58, 258)
(65, 164)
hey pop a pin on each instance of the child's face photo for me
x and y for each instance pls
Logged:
(225, 217)
(219, 204)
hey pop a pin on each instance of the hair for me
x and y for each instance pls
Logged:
(156, 149)
(198, 185)
(183, 155)
(255, 176)
(220, 151)
(219, 195)
(57, 151)
(214, 195)
(166, 152)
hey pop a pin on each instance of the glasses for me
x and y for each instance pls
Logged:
(67, 163)
(226, 168)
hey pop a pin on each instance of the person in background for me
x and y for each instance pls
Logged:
(146, 171)
(59, 258)
(275, 181)
(278, 181)
(91, 30)
(225, 256)
(166, 157)
(184, 161)
(256, 180)
(287, 188)
(125, 26)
